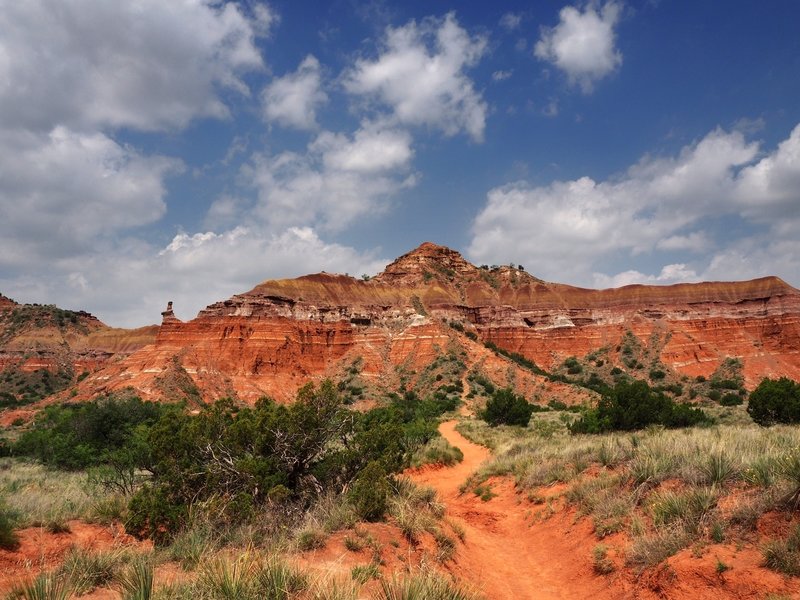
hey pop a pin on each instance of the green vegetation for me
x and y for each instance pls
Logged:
(507, 408)
(18, 387)
(634, 405)
(38, 316)
(109, 431)
(775, 401)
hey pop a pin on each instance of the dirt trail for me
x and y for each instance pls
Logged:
(507, 554)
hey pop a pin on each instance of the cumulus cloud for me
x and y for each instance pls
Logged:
(573, 230)
(770, 188)
(338, 179)
(62, 191)
(192, 270)
(293, 99)
(148, 64)
(420, 75)
(582, 45)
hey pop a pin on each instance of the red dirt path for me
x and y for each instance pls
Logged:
(514, 549)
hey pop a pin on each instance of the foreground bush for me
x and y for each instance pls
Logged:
(775, 401)
(232, 462)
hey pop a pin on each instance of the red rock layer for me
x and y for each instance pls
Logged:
(283, 333)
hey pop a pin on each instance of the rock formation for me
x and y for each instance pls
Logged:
(283, 333)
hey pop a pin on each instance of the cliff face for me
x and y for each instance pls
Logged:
(283, 333)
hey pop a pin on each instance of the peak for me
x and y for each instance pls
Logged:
(425, 262)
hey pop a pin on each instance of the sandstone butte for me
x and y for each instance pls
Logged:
(284, 333)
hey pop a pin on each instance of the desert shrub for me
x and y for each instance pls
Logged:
(86, 570)
(731, 399)
(426, 584)
(107, 431)
(46, 586)
(634, 405)
(657, 374)
(437, 451)
(507, 408)
(229, 461)
(775, 401)
(136, 582)
(370, 492)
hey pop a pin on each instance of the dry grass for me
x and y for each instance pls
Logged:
(39, 496)
(623, 489)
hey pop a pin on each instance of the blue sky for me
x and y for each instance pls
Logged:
(187, 150)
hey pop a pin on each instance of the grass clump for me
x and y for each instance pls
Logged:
(600, 561)
(437, 451)
(136, 582)
(424, 584)
(8, 537)
(784, 555)
(363, 573)
(87, 571)
(47, 586)
(651, 549)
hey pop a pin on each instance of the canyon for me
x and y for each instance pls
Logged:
(283, 333)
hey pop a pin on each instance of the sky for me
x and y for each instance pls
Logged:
(186, 150)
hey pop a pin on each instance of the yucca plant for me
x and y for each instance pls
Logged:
(424, 584)
(278, 580)
(226, 578)
(136, 582)
(47, 586)
(87, 570)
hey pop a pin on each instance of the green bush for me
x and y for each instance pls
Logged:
(775, 401)
(108, 429)
(370, 492)
(507, 408)
(227, 461)
(731, 399)
(634, 405)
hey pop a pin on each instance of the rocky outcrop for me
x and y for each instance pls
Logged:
(282, 333)
(34, 337)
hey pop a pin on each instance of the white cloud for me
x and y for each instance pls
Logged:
(338, 179)
(574, 230)
(147, 64)
(502, 75)
(60, 193)
(193, 271)
(420, 75)
(674, 273)
(293, 99)
(510, 21)
(771, 187)
(582, 44)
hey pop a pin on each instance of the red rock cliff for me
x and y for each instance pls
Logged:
(282, 333)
